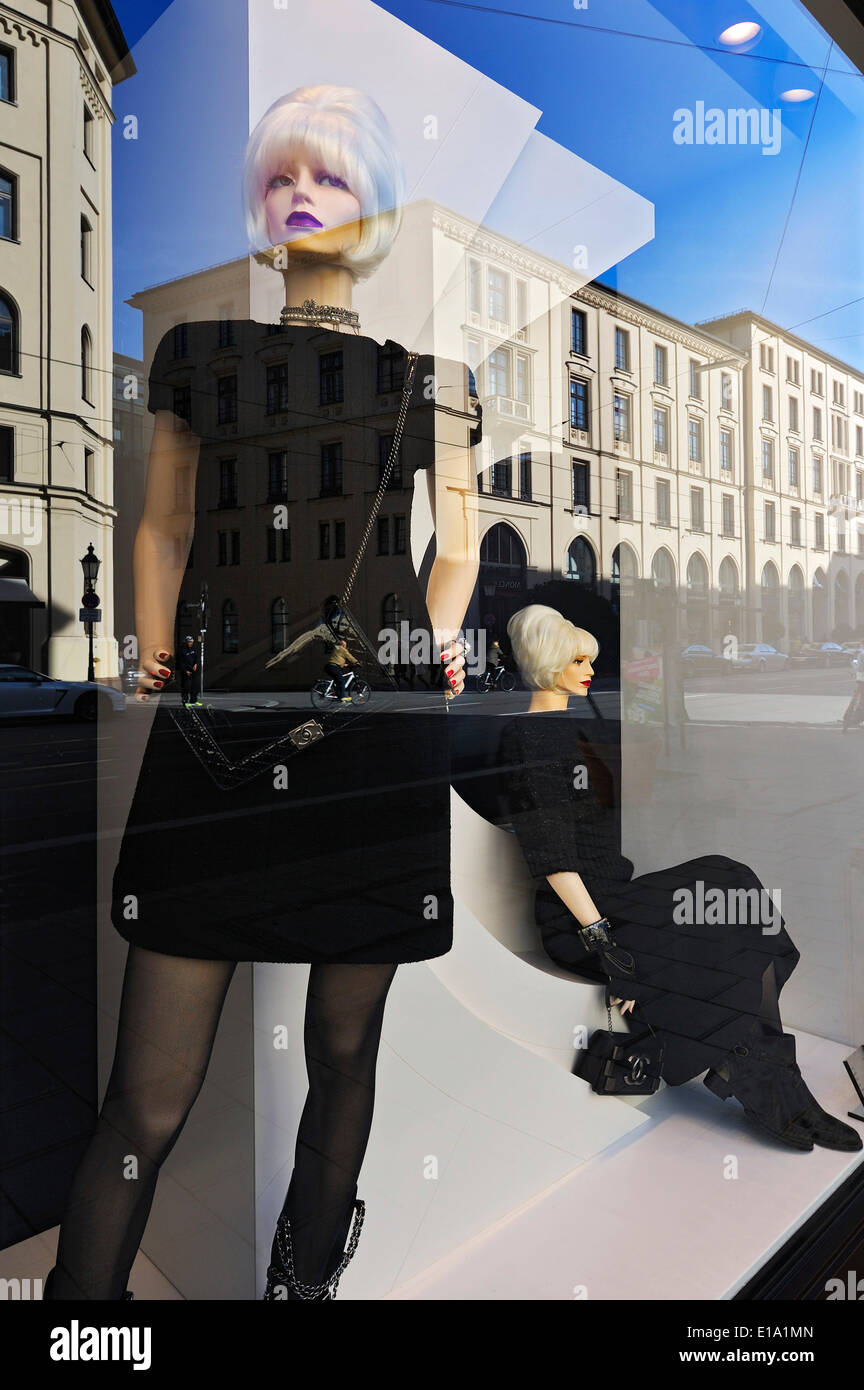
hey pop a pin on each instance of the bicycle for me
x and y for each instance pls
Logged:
(496, 678)
(325, 691)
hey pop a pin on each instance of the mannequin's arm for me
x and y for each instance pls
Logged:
(453, 495)
(162, 543)
(575, 896)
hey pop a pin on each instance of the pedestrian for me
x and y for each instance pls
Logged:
(188, 665)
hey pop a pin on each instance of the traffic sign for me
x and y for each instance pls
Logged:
(90, 615)
(90, 599)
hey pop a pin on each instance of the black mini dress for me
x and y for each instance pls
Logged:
(698, 983)
(341, 852)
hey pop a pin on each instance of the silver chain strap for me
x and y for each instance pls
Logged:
(285, 1248)
(386, 473)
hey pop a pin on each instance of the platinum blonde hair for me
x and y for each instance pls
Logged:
(545, 642)
(347, 133)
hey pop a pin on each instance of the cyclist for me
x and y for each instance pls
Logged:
(336, 665)
(855, 709)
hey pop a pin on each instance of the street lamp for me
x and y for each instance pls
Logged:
(90, 565)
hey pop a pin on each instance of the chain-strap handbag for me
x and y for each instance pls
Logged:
(201, 730)
(621, 1064)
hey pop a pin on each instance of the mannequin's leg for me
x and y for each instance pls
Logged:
(168, 1016)
(344, 1014)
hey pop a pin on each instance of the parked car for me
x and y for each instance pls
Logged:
(697, 659)
(25, 692)
(822, 654)
(758, 656)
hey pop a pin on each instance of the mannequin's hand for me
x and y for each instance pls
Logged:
(155, 674)
(453, 658)
(626, 1005)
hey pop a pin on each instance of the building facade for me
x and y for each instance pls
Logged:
(58, 63)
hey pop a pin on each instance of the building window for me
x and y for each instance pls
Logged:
(624, 495)
(277, 476)
(664, 516)
(181, 340)
(228, 482)
(323, 540)
(695, 379)
(768, 459)
(474, 292)
(498, 295)
(581, 486)
(235, 547)
(697, 509)
(89, 472)
(499, 372)
(793, 413)
(7, 73)
(86, 365)
(385, 444)
(221, 547)
(694, 439)
(578, 404)
(818, 531)
(858, 400)
(8, 335)
(226, 399)
(331, 470)
(769, 522)
(859, 441)
(794, 470)
(817, 473)
(277, 388)
(284, 533)
(795, 526)
(227, 331)
(661, 365)
(181, 402)
(728, 514)
(725, 391)
(578, 332)
(390, 369)
(9, 205)
(400, 535)
(816, 385)
(339, 540)
(89, 123)
(766, 357)
(502, 478)
(661, 429)
(523, 378)
(521, 303)
(840, 433)
(86, 250)
(793, 370)
(525, 480)
(7, 454)
(621, 418)
(331, 383)
(230, 627)
(817, 422)
(383, 535)
(727, 451)
(278, 625)
(622, 350)
(838, 393)
(767, 403)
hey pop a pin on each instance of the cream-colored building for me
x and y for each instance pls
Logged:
(58, 63)
(803, 414)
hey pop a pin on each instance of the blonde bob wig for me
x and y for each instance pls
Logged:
(345, 132)
(545, 643)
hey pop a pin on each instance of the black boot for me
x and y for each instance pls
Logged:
(282, 1282)
(814, 1122)
(48, 1291)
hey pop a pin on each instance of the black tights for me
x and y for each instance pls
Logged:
(169, 1013)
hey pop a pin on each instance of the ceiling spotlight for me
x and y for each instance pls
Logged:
(797, 94)
(740, 33)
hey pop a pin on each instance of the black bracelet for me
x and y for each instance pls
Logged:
(596, 936)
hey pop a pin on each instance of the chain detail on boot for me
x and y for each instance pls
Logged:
(282, 1275)
(767, 1082)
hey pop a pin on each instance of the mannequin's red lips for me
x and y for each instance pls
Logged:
(302, 219)
(586, 682)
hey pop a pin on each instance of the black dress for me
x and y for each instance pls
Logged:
(700, 983)
(344, 855)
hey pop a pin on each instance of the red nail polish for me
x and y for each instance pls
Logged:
(157, 685)
(163, 672)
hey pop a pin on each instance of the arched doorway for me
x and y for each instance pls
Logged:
(796, 604)
(841, 606)
(698, 619)
(662, 600)
(858, 620)
(503, 592)
(729, 601)
(16, 604)
(820, 606)
(581, 564)
(625, 574)
(772, 627)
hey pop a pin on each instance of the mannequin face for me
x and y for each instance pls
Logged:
(576, 678)
(311, 208)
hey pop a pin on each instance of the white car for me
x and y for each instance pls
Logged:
(758, 656)
(25, 692)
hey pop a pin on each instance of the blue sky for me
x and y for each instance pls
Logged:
(780, 233)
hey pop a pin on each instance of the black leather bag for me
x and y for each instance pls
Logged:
(621, 1064)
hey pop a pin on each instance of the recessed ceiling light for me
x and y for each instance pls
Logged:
(740, 33)
(797, 94)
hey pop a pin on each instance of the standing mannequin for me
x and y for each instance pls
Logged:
(323, 188)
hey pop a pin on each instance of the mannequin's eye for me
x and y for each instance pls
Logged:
(333, 179)
(278, 181)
